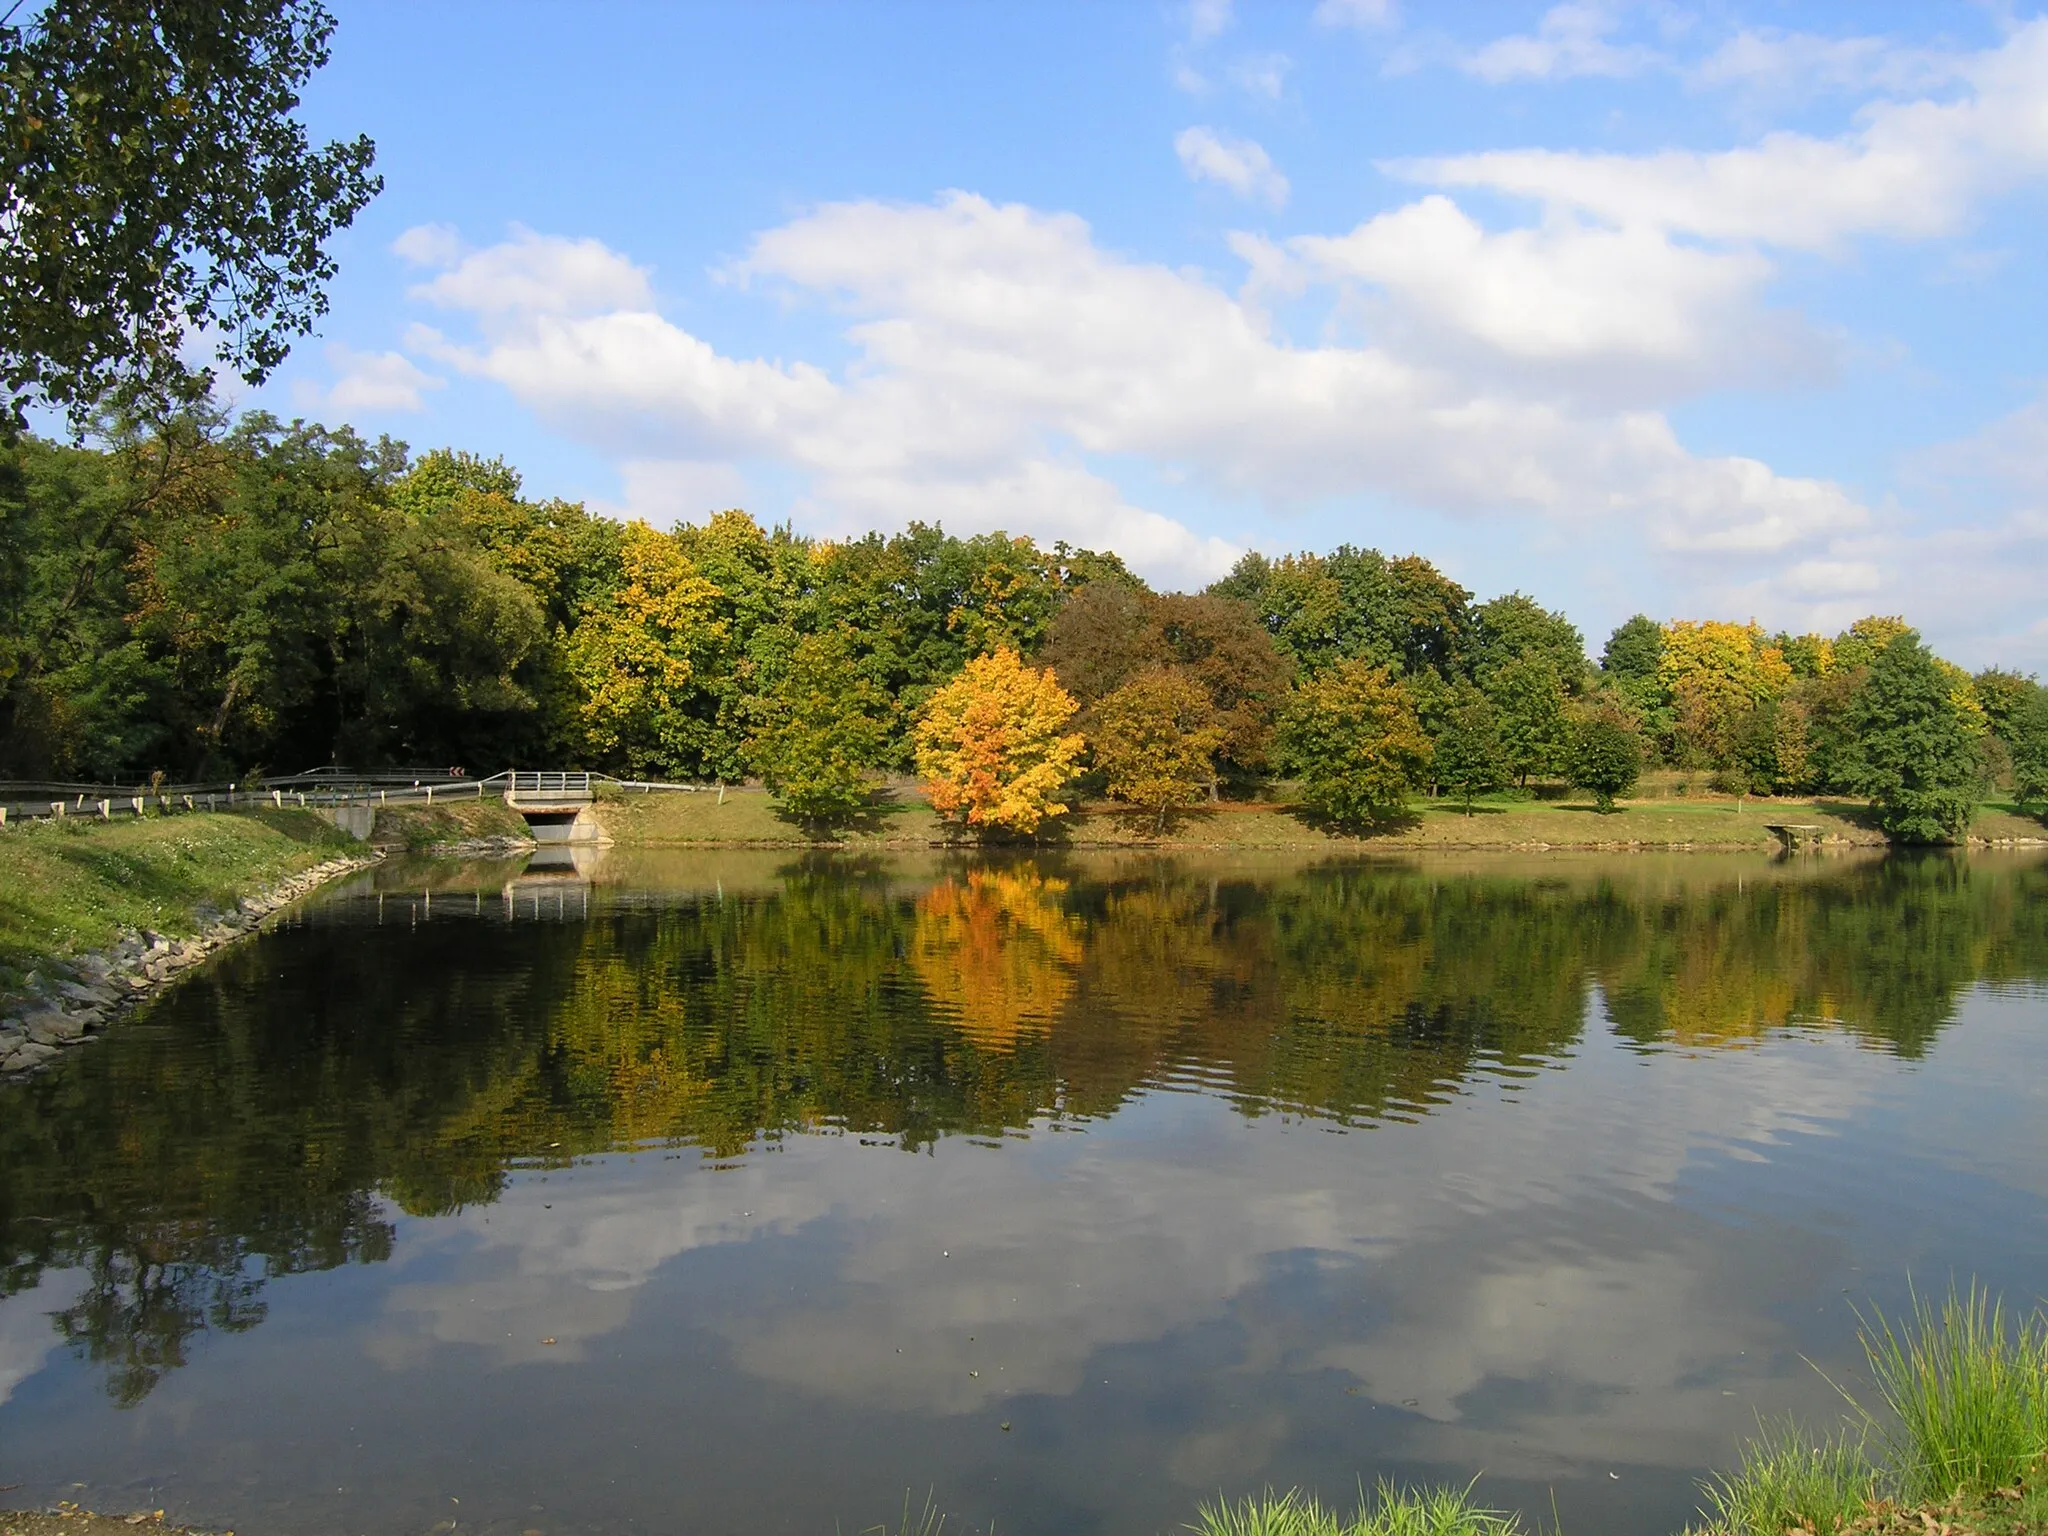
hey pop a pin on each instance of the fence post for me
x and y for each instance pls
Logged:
(106, 810)
(138, 805)
(430, 794)
(278, 796)
(3, 815)
(57, 809)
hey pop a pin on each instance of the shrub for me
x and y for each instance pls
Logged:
(1605, 758)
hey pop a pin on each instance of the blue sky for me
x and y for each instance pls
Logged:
(1696, 309)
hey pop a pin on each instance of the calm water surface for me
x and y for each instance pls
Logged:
(717, 1192)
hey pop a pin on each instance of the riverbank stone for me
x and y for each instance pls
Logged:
(27, 1056)
(53, 1027)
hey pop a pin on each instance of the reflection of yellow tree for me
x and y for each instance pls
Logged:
(997, 952)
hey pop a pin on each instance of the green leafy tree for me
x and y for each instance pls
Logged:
(1517, 627)
(1352, 738)
(1633, 650)
(1915, 755)
(1355, 604)
(1469, 757)
(826, 730)
(1606, 757)
(1528, 698)
(158, 182)
(1154, 739)
(2027, 736)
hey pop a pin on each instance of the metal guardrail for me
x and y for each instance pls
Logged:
(319, 788)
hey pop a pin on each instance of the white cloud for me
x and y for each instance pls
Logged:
(1362, 14)
(2012, 451)
(1625, 314)
(1208, 18)
(999, 351)
(1769, 62)
(1571, 39)
(1911, 169)
(527, 274)
(1262, 74)
(1238, 164)
(664, 492)
(429, 245)
(370, 381)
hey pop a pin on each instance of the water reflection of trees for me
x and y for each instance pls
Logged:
(269, 1118)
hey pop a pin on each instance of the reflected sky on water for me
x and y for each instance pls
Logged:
(716, 1191)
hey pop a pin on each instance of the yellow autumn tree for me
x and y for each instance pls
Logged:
(632, 660)
(992, 748)
(1713, 672)
(1860, 644)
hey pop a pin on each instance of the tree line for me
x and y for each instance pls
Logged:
(215, 599)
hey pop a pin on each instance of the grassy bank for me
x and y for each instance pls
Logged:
(899, 818)
(71, 886)
(420, 828)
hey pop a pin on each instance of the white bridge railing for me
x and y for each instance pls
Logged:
(545, 783)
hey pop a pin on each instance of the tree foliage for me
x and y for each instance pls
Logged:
(1355, 604)
(1528, 698)
(1605, 757)
(824, 732)
(1153, 739)
(1105, 635)
(1470, 758)
(1712, 672)
(1915, 753)
(2027, 733)
(157, 183)
(1350, 735)
(992, 746)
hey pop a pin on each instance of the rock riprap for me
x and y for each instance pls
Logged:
(88, 992)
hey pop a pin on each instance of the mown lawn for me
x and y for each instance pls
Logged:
(900, 817)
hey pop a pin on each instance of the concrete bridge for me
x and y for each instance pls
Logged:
(556, 806)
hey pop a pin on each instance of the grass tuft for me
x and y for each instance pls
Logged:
(1392, 1511)
(1967, 1386)
(928, 1521)
(1787, 1483)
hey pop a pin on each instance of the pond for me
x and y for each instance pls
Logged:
(722, 1192)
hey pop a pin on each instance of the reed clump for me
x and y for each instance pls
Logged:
(1390, 1511)
(1965, 1387)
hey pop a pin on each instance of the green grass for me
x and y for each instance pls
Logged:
(753, 818)
(71, 886)
(418, 828)
(1391, 1511)
(1787, 1482)
(1966, 1387)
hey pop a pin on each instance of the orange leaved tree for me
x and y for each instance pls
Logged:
(991, 747)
